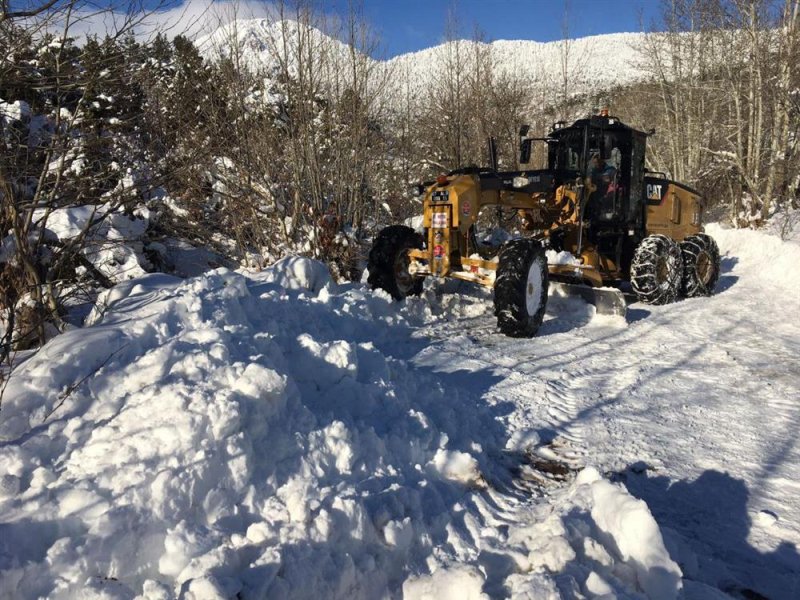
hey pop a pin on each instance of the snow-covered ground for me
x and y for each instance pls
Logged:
(274, 435)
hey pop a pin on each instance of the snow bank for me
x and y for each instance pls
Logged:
(602, 540)
(219, 437)
(636, 536)
(763, 256)
(299, 273)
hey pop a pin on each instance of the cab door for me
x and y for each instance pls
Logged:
(636, 199)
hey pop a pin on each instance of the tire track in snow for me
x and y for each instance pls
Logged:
(703, 392)
(549, 395)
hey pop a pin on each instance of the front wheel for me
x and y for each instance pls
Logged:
(657, 270)
(520, 289)
(700, 265)
(388, 262)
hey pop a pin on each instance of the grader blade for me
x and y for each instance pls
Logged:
(606, 300)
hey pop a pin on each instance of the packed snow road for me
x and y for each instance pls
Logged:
(695, 407)
(277, 436)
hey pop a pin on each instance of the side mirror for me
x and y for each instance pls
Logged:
(525, 151)
(523, 130)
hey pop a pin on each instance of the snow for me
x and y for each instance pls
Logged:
(413, 74)
(561, 258)
(184, 259)
(457, 583)
(299, 273)
(540, 62)
(18, 110)
(636, 536)
(599, 522)
(113, 239)
(416, 223)
(274, 435)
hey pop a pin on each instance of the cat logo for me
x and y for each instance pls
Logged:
(654, 191)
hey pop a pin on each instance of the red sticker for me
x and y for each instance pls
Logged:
(438, 251)
(465, 208)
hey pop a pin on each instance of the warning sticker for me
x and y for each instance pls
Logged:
(465, 208)
(438, 252)
(439, 220)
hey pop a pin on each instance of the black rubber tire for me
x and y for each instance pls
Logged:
(389, 247)
(520, 304)
(657, 270)
(701, 265)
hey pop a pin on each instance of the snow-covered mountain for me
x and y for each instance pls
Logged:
(595, 63)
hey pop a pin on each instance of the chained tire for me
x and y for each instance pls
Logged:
(520, 289)
(388, 262)
(657, 270)
(701, 265)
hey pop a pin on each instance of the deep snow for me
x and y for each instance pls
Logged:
(276, 435)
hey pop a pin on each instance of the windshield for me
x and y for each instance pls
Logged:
(568, 149)
(610, 146)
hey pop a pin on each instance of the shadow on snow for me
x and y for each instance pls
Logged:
(706, 523)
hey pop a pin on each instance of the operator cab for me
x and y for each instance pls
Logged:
(611, 155)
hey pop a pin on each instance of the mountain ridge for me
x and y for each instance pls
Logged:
(593, 63)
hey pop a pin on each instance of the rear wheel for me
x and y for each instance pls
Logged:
(657, 270)
(520, 289)
(700, 265)
(388, 262)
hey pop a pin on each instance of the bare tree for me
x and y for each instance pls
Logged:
(58, 131)
(725, 71)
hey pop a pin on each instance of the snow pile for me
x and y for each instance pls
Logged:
(603, 542)
(299, 273)
(267, 436)
(764, 257)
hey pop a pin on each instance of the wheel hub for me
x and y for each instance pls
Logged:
(533, 288)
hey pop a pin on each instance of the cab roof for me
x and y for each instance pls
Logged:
(595, 122)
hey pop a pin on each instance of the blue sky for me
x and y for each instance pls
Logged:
(407, 25)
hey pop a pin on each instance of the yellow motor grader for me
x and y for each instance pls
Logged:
(603, 221)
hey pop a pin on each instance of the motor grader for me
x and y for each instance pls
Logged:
(607, 224)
